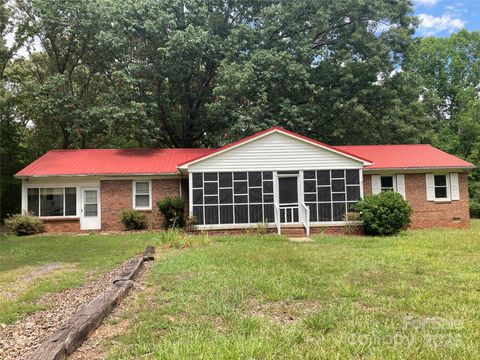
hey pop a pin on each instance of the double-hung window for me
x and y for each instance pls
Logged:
(52, 201)
(142, 195)
(387, 183)
(441, 187)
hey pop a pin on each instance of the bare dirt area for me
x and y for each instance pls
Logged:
(282, 312)
(96, 347)
(14, 289)
(21, 339)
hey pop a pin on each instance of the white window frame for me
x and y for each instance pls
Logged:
(394, 183)
(447, 185)
(134, 195)
(63, 187)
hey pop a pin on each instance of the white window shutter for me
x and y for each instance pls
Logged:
(430, 180)
(455, 189)
(376, 184)
(401, 184)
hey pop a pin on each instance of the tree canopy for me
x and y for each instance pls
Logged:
(158, 73)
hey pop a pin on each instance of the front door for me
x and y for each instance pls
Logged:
(90, 212)
(288, 198)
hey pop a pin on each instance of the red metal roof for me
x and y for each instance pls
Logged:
(110, 161)
(166, 161)
(416, 156)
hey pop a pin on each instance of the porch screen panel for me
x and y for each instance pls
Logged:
(233, 197)
(330, 194)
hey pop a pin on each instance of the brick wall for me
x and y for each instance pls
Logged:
(117, 195)
(289, 231)
(67, 225)
(427, 214)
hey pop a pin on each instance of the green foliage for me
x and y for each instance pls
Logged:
(449, 71)
(173, 211)
(133, 219)
(24, 224)
(176, 238)
(474, 190)
(384, 214)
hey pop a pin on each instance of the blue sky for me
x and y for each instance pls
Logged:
(443, 17)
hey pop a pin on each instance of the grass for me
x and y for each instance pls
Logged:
(416, 295)
(25, 275)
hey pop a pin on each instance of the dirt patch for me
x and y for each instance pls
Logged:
(41, 271)
(118, 323)
(283, 312)
(21, 339)
(16, 284)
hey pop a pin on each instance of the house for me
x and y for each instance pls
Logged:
(291, 182)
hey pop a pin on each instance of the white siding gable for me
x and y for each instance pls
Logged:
(276, 151)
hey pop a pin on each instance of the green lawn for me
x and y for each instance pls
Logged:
(416, 295)
(24, 263)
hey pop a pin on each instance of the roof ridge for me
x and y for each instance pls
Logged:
(387, 145)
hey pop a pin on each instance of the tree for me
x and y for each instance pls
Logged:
(206, 72)
(449, 71)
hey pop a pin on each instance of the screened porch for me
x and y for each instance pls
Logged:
(225, 200)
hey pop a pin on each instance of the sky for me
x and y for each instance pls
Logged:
(443, 17)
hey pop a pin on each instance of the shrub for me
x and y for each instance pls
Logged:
(350, 226)
(133, 219)
(172, 209)
(24, 224)
(190, 222)
(384, 214)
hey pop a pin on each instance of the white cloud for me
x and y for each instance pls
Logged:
(428, 3)
(430, 25)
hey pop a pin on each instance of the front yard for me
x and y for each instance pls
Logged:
(416, 295)
(33, 266)
(412, 296)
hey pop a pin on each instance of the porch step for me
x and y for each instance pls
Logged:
(292, 232)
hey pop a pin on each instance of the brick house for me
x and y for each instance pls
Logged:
(287, 181)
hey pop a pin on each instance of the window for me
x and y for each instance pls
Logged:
(441, 187)
(330, 193)
(386, 183)
(52, 201)
(142, 195)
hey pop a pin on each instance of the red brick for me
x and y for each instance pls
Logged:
(117, 195)
(427, 214)
(65, 225)
(289, 231)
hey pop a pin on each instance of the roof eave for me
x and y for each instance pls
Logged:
(176, 173)
(421, 168)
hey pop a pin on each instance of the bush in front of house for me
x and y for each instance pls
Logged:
(384, 214)
(133, 219)
(172, 209)
(24, 224)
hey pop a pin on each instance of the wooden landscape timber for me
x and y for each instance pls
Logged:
(69, 337)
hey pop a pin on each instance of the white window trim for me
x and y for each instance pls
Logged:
(134, 188)
(394, 183)
(447, 183)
